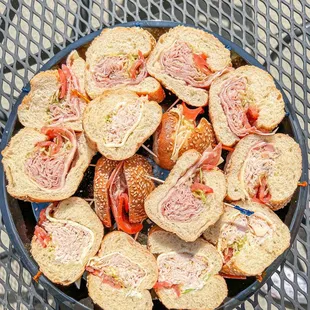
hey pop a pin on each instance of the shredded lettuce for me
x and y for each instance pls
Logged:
(200, 195)
(188, 290)
(239, 244)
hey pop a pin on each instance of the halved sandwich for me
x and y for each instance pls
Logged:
(121, 187)
(264, 169)
(117, 59)
(248, 243)
(46, 165)
(57, 97)
(119, 121)
(188, 272)
(191, 198)
(121, 274)
(186, 61)
(244, 101)
(67, 235)
(179, 132)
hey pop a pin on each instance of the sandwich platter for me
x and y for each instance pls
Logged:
(20, 217)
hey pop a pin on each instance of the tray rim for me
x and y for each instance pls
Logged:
(25, 256)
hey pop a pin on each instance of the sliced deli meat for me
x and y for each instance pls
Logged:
(264, 169)
(121, 274)
(191, 198)
(186, 61)
(119, 121)
(243, 102)
(178, 132)
(120, 188)
(46, 165)
(248, 243)
(117, 59)
(187, 272)
(57, 97)
(67, 234)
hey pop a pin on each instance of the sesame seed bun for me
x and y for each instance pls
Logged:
(136, 169)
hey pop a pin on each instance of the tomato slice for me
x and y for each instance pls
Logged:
(42, 217)
(198, 186)
(44, 143)
(191, 114)
(42, 236)
(262, 195)
(228, 254)
(122, 219)
(252, 114)
(165, 284)
(201, 64)
(136, 65)
(63, 83)
(105, 279)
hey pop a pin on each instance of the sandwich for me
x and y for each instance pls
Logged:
(264, 169)
(244, 101)
(118, 122)
(121, 274)
(66, 236)
(46, 165)
(57, 97)
(191, 198)
(117, 59)
(250, 240)
(121, 187)
(179, 132)
(186, 61)
(188, 273)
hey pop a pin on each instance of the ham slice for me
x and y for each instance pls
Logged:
(71, 240)
(120, 271)
(181, 205)
(240, 116)
(71, 107)
(50, 163)
(256, 169)
(181, 63)
(112, 71)
(121, 122)
(185, 270)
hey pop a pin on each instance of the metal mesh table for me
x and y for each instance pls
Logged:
(277, 33)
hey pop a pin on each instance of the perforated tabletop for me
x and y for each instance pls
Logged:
(277, 33)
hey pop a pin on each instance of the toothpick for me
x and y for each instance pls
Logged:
(147, 149)
(136, 235)
(90, 200)
(173, 105)
(92, 165)
(155, 179)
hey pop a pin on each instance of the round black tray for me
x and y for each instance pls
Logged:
(20, 219)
